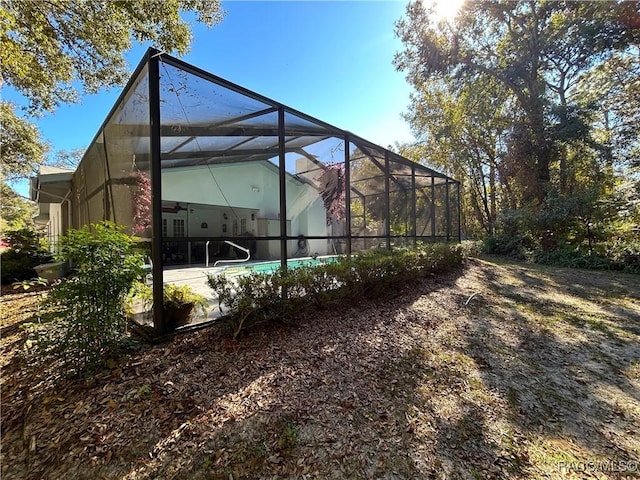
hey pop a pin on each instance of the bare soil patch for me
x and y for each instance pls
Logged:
(536, 376)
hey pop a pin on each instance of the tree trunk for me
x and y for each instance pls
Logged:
(564, 173)
(492, 197)
(542, 148)
(544, 176)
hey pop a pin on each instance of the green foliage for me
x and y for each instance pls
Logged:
(26, 251)
(46, 47)
(179, 296)
(624, 253)
(532, 105)
(285, 295)
(18, 266)
(471, 248)
(460, 129)
(139, 291)
(16, 212)
(85, 314)
(288, 437)
(621, 254)
(25, 240)
(590, 229)
(567, 257)
(514, 245)
(179, 301)
(26, 285)
(22, 147)
(48, 50)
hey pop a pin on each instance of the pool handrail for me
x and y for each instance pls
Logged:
(238, 260)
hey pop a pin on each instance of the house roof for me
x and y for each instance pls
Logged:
(51, 185)
(50, 169)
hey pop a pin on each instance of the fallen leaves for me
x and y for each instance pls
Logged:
(415, 387)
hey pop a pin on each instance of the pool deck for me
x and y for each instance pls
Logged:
(196, 277)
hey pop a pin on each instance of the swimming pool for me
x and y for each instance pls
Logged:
(272, 266)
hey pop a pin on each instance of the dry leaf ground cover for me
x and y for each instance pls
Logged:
(537, 376)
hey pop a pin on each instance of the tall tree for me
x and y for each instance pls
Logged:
(460, 131)
(51, 49)
(15, 212)
(20, 144)
(612, 91)
(538, 50)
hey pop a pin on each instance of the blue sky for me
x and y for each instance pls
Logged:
(331, 60)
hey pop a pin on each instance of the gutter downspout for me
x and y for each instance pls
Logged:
(64, 199)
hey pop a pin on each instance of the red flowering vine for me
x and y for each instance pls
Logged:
(141, 202)
(332, 188)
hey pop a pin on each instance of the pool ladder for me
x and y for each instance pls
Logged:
(239, 260)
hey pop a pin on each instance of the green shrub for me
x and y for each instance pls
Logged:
(472, 248)
(85, 315)
(573, 258)
(18, 266)
(26, 251)
(626, 254)
(517, 246)
(237, 300)
(285, 295)
(615, 255)
(25, 240)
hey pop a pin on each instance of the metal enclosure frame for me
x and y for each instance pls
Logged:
(381, 198)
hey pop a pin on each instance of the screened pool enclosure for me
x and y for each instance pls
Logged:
(209, 173)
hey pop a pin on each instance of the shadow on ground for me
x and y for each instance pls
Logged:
(534, 370)
(561, 363)
(278, 402)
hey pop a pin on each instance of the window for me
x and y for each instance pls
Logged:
(178, 227)
(243, 226)
(235, 226)
(165, 232)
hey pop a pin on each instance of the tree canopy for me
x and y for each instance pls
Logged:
(22, 146)
(48, 49)
(539, 51)
(533, 104)
(51, 52)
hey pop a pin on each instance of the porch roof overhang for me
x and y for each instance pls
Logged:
(51, 185)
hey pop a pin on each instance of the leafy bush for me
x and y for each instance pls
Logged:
(18, 266)
(26, 251)
(617, 255)
(285, 294)
(25, 240)
(567, 257)
(85, 314)
(584, 230)
(626, 254)
(513, 245)
(472, 248)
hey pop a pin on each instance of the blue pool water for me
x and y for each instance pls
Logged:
(270, 267)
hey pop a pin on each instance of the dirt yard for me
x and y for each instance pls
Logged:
(502, 370)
